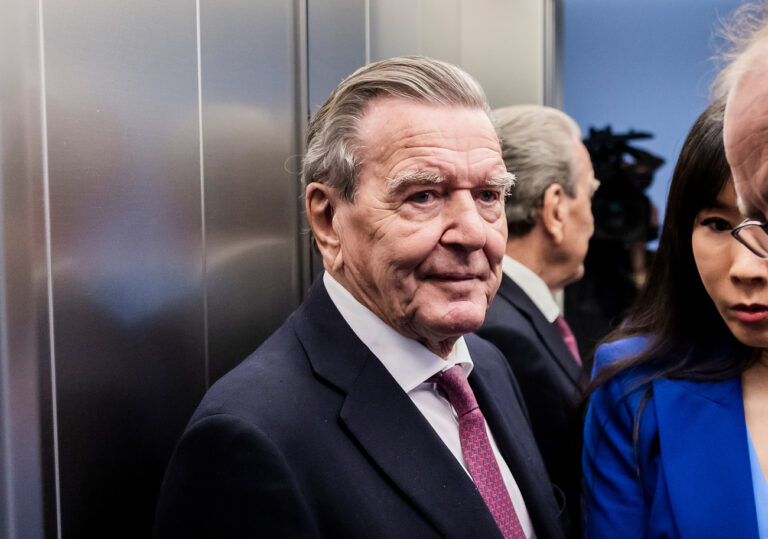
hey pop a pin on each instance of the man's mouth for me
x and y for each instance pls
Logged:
(452, 276)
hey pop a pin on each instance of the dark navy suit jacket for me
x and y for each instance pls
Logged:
(551, 381)
(311, 436)
(687, 476)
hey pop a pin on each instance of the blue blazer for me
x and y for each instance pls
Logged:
(689, 473)
(312, 437)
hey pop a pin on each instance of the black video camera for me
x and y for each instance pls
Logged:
(621, 210)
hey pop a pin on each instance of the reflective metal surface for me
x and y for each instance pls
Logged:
(501, 44)
(126, 251)
(337, 42)
(250, 148)
(427, 27)
(26, 464)
(553, 53)
(502, 47)
(300, 67)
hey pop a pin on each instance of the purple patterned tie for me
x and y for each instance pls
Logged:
(477, 451)
(570, 340)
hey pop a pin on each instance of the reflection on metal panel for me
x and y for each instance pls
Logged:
(337, 44)
(553, 53)
(502, 46)
(301, 114)
(26, 463)
(395, 28)
(250, 155)
(427, 27)
(499, 43)
(441, 28)
(126, 252)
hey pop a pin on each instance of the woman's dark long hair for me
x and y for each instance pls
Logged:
(674, 310)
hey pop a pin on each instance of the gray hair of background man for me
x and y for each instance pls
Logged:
(334, 154)
(745, 35)
(537, 144)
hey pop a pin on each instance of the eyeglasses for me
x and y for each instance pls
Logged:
(754, 236)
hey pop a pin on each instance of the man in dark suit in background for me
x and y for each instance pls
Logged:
(370, 412)
(549, 219)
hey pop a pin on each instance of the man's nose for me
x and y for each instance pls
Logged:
(464, 226)
(746, 268)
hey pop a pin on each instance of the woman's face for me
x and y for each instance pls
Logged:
(735, 279)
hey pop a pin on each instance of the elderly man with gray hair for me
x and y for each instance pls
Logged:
(745, 82)
(373, 411)
(549, 220)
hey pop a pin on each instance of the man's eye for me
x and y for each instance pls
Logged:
(422, 197)
(717, 224)
(489, 195)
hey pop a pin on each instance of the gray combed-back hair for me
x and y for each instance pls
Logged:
(537, 144)
(745, 35)
(334, 153)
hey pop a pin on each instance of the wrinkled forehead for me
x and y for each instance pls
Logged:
(745, 135)
(388, 113)
(393, 129)
(746, 112)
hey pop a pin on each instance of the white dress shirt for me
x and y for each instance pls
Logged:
(410, 363)
(533, 286)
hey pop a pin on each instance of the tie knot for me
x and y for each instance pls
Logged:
(561, 324)
(453, 384)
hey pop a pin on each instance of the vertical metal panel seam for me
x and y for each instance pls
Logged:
(203, 236)
(49, 262)
(557, 51)
(6, 467)
(546, 53)
(304, 242)
(551, 43)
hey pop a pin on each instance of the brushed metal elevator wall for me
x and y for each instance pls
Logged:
(168, 202)
(127, 255)
(150, 232)
(25, 484)
(151, 235)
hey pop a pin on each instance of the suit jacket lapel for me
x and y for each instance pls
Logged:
(519, 452)
(386, 424)
(548, 334)
(706, 461)
(402, 443)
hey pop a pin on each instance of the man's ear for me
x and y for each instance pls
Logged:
(321, 204)
(553, 212)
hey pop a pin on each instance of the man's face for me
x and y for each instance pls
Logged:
(422, 244)
(746, 140)
(579, 223)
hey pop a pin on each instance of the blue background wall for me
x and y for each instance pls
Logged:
(643, 65)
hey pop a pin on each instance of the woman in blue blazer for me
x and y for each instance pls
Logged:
(683, 383)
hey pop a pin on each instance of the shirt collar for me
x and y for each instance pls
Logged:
(408, 361)
(533, 286)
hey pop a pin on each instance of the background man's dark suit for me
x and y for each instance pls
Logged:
(550, 379)
(311, 436)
